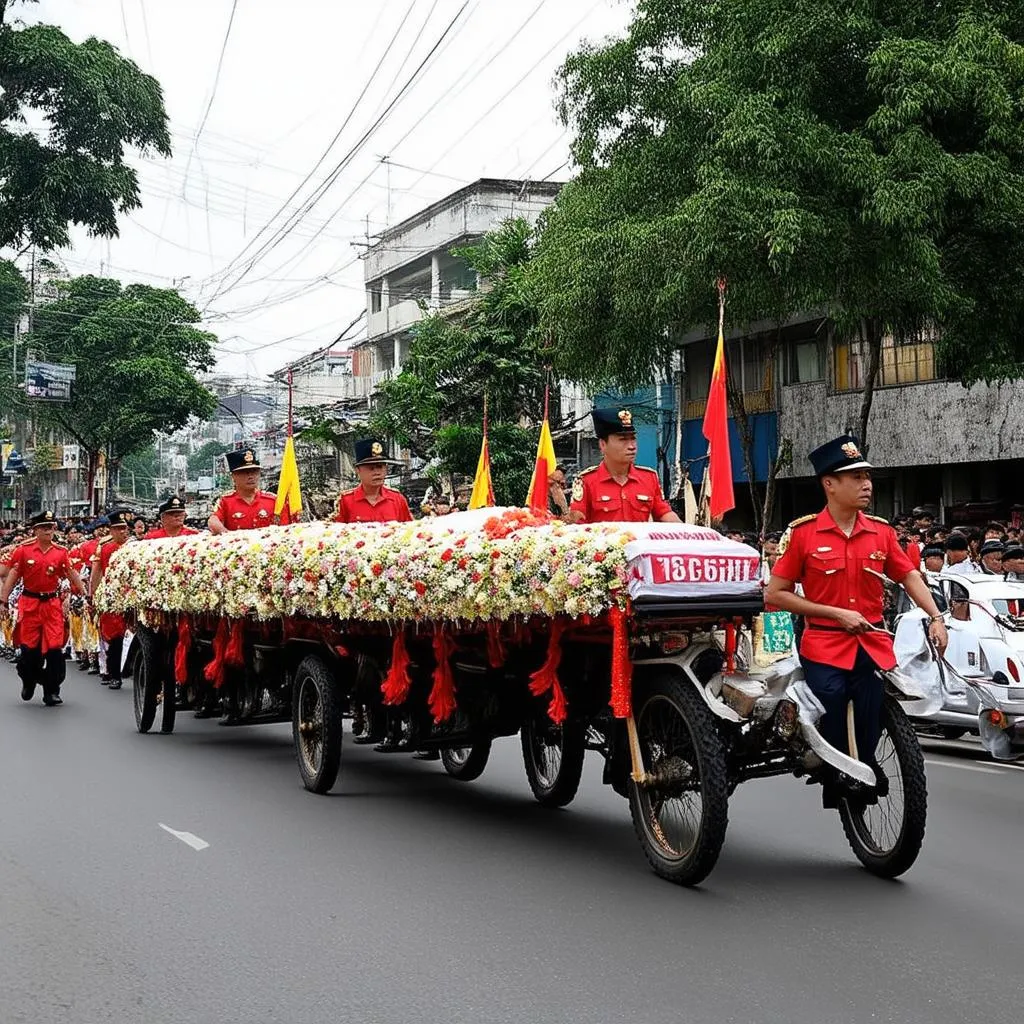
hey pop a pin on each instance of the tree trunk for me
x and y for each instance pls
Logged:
(91, 480)
(873, 335)
(739, 414)
(783, 459)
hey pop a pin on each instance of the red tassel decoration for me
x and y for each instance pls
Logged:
(214, 672)
(395, 687)
(235, 653)
(181, 651)
(546, 677)
(622, 668)
(442, 696)
(495, 645)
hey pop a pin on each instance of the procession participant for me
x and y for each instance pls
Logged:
(617, 490)
(993, 531)
(41, 564)
(95, 646)
(934, 556)
(77, 608)
(246, 507)
(371, 501)
(958, 559)
(992, 558)
(139, 529)
(840, 556)
(172, 520)
(1013, 563)
(558, 503)
(112, 625)
(7, 546)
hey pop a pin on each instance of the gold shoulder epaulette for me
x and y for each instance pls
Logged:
(646, 469)
(351, 490)
(589, 469)
(103, 540)
(801, 521)
(878, 519)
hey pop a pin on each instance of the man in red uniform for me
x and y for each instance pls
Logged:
(112, 625)
(42, 565)
(247, 507)
(82, 556)
(172, 521)
(841, 556)
(617, 491)
(371, 501)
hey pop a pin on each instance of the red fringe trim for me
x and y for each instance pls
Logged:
(181, 651)
(235, 653)
(395, 687)
(495, 645)
(622, 668)
(546, 677)
(442, 696)
(214, 672)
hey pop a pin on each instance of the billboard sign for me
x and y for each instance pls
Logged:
(49, 382)
(71, 457)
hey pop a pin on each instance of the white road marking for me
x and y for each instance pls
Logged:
(964, 767)
(188, 838)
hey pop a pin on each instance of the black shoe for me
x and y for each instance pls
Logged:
(83, 666)
(115, 684)
(207, 711)
(427, 755)
(52, 700)
(390, 745)
(28, 691)
(94, 670)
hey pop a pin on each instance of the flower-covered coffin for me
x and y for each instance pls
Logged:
(481, 565)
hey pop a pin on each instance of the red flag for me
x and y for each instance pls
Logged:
(716, 430)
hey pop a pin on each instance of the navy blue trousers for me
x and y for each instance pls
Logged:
(835, 688)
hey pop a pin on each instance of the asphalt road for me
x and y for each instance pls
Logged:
(407, 896)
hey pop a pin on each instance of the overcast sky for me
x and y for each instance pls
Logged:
(246, 135)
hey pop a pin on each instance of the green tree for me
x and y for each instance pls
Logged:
(13, 294)
(93, 103)
(137, 352)
(201, 461)
(435, 405)
(864, 159)
(139, 471)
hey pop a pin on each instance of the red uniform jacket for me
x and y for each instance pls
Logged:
(602, 500)
(40, 620)
(159, 532)
(353, 507)
(843, 572)
(238, 514)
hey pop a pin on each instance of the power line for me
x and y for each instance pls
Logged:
(216, 77)
(271, 244)
(337, 135)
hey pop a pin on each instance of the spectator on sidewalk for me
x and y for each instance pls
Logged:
(992, 557)
(958, 559)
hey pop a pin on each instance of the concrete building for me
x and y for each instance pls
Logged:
(411, 265)
(933, 441)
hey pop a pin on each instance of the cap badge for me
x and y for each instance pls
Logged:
(625, 417)
(377, 448)
(248, 457)
(577, 489)
(851, 451)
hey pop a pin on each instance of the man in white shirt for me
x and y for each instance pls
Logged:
(958, 559)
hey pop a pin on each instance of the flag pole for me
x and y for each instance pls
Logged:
(289, 402)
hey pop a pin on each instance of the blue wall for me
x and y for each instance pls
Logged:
(766, 445)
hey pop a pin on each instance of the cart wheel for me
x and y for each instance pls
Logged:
(553, 758)
(169, 703)
(145, 680)
(886, 837)
(681, 814)
(316, 725)
(466, 763)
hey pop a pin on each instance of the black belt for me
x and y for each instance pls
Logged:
(840, 629)
(39, 597)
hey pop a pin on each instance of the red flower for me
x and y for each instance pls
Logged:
(598, 556)
(421, 587)
(447, 554)
(495, 555)
(358, 544)
(377, 568)
(476, 577)
(463, 562)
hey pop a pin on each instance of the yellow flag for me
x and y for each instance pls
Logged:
(483, 490)
(289, 496)
(544, 466)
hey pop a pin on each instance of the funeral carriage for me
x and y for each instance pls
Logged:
(641, 642)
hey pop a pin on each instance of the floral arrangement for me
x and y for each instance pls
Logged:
(484, 565)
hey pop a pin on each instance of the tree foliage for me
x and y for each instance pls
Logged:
(434, 406)
(13, 294)
(90, 103)
(862, 158)
(137, 353)
(202, 461)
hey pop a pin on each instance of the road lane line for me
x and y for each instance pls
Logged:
(188, 838)
(964, 767)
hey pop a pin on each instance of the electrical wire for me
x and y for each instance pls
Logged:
(216, 76)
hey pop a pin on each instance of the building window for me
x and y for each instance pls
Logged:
(911, 360)
(805, 361)
(375, 300)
